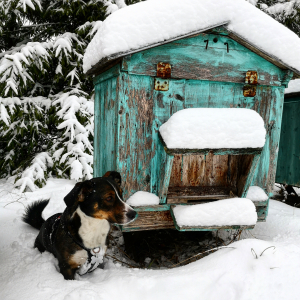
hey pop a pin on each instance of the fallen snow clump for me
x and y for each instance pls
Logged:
(141, 198)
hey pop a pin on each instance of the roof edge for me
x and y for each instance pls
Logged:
(271, 58)
(111, 60)
(104, 61)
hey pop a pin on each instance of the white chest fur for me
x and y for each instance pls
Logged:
(93, 232)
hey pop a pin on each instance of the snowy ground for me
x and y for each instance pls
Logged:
(248, 270)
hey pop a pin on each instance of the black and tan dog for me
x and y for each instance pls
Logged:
(82, 228)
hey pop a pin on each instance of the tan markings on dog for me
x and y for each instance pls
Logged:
(107, 174)
(104, 215)
(95, 205)
(80, 197)
(78, 259)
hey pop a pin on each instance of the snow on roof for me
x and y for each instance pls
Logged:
(214, 128)
(293, 87)
(235, 211)
(150, 23)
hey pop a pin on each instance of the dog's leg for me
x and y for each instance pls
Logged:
(67, 271)
(39, 244)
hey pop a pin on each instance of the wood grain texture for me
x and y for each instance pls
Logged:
(288, 168)
(135, 123)
(149, 220)
(190, 59)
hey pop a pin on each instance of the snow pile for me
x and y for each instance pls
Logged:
(214, 128)
(255, 193)
(250, 269)
(140, 26)
(293, 87)
(141, 198)
(235, 211)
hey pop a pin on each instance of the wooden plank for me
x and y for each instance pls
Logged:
(164, 185)
(106, 105)
(189, 194)
(250, 175)
(223, 151)
(262, 212)
(164, 105)
(159, 207)
(288, 167)
(135, 124)
(112, 72)
(191, 59)
(149, 220)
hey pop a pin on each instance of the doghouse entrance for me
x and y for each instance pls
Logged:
(203, 178)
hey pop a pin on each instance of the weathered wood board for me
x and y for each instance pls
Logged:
(129, 112)
(288, 168)
(160, 217)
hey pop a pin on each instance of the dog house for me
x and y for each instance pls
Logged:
(141, 86)
(288, 167)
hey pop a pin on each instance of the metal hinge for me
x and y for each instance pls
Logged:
(163, 72)
(251, 80)
(161, 84)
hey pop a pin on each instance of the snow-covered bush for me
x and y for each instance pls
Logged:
(46, 103)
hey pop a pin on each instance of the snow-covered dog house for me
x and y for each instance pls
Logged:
(155, 58)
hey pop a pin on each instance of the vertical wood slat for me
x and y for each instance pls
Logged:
(250, 175)
(164, 185)
(135, 123)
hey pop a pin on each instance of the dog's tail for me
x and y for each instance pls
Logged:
(33, 213)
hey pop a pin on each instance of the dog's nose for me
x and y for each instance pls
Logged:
(131, 214)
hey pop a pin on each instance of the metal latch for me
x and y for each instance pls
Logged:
(251, 80)
(161, 84)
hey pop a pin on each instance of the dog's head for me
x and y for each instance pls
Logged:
(101, 198)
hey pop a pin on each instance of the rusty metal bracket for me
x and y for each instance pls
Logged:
(251, 77)
(163, 70)
(251, 80)
(249, 90)
(161, 84)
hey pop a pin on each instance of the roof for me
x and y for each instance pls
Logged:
(151, 23)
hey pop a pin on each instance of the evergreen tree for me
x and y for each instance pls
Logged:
(285, 12)
(46, 103)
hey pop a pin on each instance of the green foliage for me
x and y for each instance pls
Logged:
(285, 12)
(46, 103)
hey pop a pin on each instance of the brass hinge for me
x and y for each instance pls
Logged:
(251, 80)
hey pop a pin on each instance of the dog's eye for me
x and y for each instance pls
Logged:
(109, 198)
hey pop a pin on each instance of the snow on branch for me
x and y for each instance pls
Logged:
(25, 3)
(34, 175)
(15, 65)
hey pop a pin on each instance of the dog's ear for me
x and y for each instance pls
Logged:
(116, 176)
(78, 193)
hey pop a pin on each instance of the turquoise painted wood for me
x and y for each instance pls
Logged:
(129, 111)
(288, 168)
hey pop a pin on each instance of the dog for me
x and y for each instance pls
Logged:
(78, 236)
